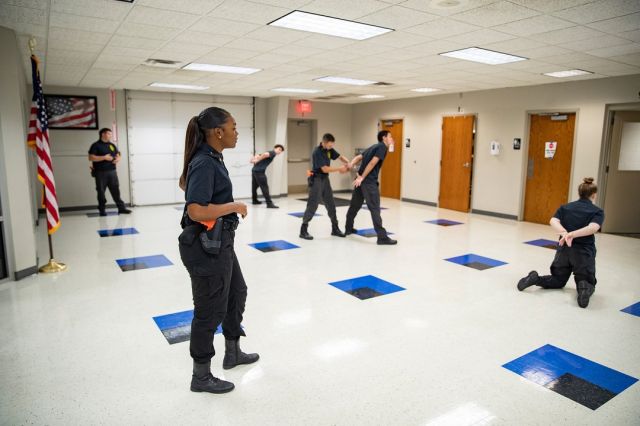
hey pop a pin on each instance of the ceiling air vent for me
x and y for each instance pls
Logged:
(163, 63)
(382, 83)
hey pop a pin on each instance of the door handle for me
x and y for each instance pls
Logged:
(467, 165)
(530, 169)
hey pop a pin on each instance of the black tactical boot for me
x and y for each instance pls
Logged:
(256, 202)
(234, 355)
(585, 290)
(203, 381)
(272, 206)
(529, 280)
(349, 231)
(386, 241)
(304, 232)
(336, 232)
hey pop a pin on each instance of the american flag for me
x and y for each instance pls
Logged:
(39, 138)
(71, 112)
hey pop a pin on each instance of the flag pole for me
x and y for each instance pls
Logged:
(52, 265)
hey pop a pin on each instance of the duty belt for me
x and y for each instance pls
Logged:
(228, 225)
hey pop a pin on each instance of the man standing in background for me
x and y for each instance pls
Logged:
(259, 177)
(105, 156)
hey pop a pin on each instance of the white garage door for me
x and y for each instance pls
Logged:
(157, 123)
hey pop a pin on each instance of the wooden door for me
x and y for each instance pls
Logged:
(456, 162)
(622, 197)
(548, 179)
(391, 171)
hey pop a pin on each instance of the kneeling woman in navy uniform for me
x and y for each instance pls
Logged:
(576, 223)
(206, 247)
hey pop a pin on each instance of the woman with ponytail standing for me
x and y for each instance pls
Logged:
(576, 223)
(206, 247)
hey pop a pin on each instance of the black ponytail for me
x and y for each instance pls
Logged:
(195, 137)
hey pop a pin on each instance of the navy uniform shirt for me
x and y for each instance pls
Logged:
(322, 157)
(103, 148)
(208, 181)
(579, 214)
(377, 150)
(261, 166)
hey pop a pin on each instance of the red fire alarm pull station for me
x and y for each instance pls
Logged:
(304, 107)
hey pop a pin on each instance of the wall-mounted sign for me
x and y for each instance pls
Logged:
(516, 143)
(304, 107)
(550, 149)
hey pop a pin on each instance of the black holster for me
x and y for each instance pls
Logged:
(211, 240)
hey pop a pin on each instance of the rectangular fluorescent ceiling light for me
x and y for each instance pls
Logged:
(345, 80)
(320, 24)
(371, 96)
(425, 90)
(483, 56)
(179, 86)
(568, 73)
(295, 90)
(220, 68)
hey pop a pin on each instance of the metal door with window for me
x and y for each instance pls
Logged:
(622, 196)
(456, 162)
(391, 171)
(548, 165)
(300, 142)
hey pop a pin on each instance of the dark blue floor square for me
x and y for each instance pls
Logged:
(584, 381)
(277, 245)
(476, 262)
(176, 327)
(367, 287)
(550, 244)
(145, 262)
(301, 214)
(109, 213)
(117, 232)
(443, 222)
(633, 309)
(369, 232)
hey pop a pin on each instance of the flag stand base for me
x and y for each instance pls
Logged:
(53, 267)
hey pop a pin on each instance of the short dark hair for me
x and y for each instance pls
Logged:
(278, 146)
(104, 130)
(382, 134)
(328, 137)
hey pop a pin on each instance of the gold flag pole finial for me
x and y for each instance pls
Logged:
(32, 45)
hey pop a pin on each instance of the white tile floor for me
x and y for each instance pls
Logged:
(81, 347)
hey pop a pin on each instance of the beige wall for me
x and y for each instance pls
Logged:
(502, 115)
(334, 119)
(74, 184)
(17, 207)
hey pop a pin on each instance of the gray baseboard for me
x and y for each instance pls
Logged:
(18, 275)
(426, 203)
(494, 214)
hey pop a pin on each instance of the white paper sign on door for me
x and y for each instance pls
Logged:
(550, 149)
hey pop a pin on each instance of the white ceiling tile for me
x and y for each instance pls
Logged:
(396, 39)
(196, 7)
(431, 7)
(353, 9)
(115, 11)
(95, 72)
(22, 15)
(607, 67)
(290, 68)
(436, 47)
(269, 58)
(33, 4)
(599, 10)
(215, 25)
(568, 59)
(479, 37)
(495, 14)
(515, 45)
(135, 42)
(78, 47)
(252, 45)
(112, 64)
(84, 62)
(64, 54)
(617, 25)
(197, 37)
(162, 18)
(594, 43)
(534, 25)
(245, 11)
(86, 23)
(632, 59)
(141, 54)
(296, 51)
(236, 54)
(70, 36)
(550, 5)
(631, 35)
(620, 50)
(38, 31)
(120, 61)
(568, 35)
(174, 55)
(442, 28)
(183, 47)
(397, 17)
(290, 4)
(134, 29)
(278, 35)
